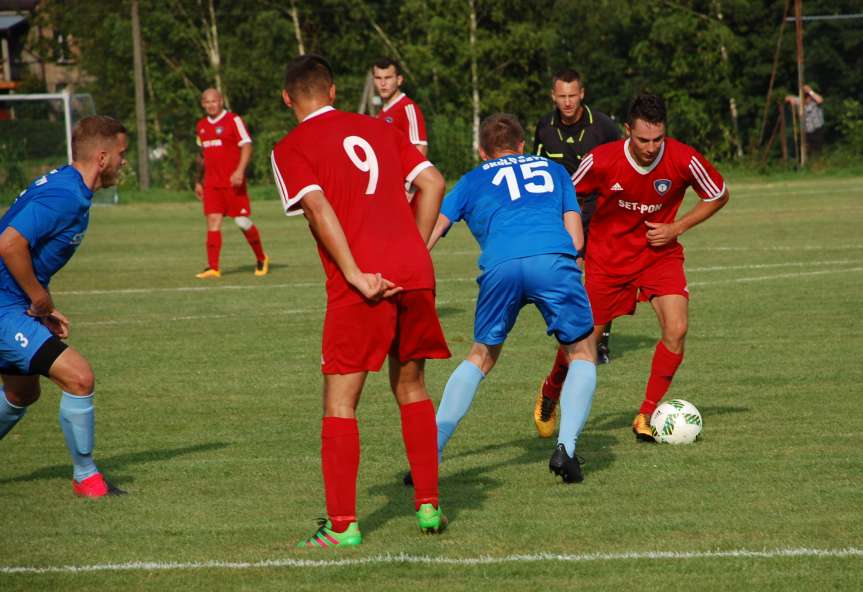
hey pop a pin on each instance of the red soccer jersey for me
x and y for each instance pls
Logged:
(630, 195)
(220, 139)
(361, 165)
(406, 115)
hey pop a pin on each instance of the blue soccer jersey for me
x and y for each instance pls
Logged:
(514, 206)
(52, 214)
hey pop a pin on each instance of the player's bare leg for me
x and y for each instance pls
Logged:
(672, 312)
(214, 247)
(419, 433)
(19, 392)
(340, 461)
(575, 402)
(253, 237)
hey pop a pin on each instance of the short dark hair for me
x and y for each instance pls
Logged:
(649, 108)
(501, 131)
(307, 76)
(385, 62)
(92, 132)
(566, 75)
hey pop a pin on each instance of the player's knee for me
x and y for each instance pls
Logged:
(23, 397)
(81, 382)
(244, 222)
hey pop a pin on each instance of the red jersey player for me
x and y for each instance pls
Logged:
(226, 148)
(346, 173)
(398, 108)
(634, 253)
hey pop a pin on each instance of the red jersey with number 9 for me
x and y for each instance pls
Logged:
(360, 164)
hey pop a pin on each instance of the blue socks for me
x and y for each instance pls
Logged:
(457, 397)
(77, 422)
(9, 414)
(575, 400)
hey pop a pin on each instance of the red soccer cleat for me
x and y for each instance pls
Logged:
(95, 486)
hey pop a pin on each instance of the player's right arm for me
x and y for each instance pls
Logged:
(431, 187)
(199, 175)
(440, 228)
(328, 230)
(15, 252)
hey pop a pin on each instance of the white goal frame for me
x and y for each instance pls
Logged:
(64, 96)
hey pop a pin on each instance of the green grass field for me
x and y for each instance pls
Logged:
(209, 413)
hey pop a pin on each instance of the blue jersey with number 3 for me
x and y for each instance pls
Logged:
(514, 207)
(52, 214)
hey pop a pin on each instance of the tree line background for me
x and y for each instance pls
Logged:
(708, 58)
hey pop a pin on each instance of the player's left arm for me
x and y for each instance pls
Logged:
(440, 228)
(328, 230)
(431, 187)
(15, 252)
(572, 222)
(659, 234)
(245, 144)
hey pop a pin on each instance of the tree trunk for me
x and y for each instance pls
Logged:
(298, 33)
(140, 109)
(211, 47)
(474, 79)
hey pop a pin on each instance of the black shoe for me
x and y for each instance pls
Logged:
(603, 356)
(408, 479)
(568, 469)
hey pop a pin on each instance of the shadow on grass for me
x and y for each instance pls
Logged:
(112, 464)
(469, 488)
(604, 422)
(448, 311)
(620, 343)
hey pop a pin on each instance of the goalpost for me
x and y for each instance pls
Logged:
(32, 139)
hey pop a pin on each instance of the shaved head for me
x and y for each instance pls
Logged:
(212, 101)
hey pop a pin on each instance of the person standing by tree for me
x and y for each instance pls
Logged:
(38, 235)
(220, 180)
(565, 135)
(813, 117)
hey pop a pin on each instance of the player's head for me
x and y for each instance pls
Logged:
(100, 142)
(387, 75)
(500, 134)
(309, 81)
(567, 92)
(645, 127)
(212, 102)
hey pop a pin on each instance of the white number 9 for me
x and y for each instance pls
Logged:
(369, 164)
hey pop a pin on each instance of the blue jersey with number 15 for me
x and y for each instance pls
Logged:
(52, 214)
(514, 207)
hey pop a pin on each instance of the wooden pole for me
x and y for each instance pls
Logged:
(140, 110)
(783, 132)
(798, 26)
(773, 73)
(794, 135)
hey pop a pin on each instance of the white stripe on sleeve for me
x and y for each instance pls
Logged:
(417, 170)
(287, 201)
(413, 125)
(704, 181)
(582, 169)
(245, 138)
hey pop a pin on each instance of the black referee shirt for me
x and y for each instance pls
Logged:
(567, 144)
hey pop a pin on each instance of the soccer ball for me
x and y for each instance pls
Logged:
(676, 422)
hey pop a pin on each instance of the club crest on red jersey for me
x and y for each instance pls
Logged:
(219, 130)
(388, 119)
(662, 186)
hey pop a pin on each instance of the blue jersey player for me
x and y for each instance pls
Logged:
(523, 212)
(38, 235)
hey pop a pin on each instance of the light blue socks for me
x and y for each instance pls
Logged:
(457, 397)
(9, 414)
(575, 400)
(77, 422)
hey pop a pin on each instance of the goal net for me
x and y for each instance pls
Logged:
(36, 137)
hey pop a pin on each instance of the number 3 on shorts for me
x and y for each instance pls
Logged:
(368, 164)
(22, 339)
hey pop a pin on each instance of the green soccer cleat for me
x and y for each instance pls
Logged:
(430, 519)
(327, 537)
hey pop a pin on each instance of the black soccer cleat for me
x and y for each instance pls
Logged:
(568, 469)
(408, 479)
(603, 355)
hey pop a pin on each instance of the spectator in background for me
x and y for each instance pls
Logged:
(813, 117)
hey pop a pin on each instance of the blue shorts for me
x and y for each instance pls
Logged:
(21, 336)
(551, 282)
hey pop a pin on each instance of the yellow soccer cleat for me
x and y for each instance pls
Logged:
(641, 428)
(544, 414)
(209, 273)
(262, 267)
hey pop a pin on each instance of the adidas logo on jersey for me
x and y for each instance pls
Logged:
(616, 187)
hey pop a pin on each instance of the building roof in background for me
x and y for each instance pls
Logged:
(18, 4)
(8, 22)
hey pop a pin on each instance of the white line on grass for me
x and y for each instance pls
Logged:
(426, 560)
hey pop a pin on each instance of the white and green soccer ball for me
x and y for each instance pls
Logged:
(676, 422)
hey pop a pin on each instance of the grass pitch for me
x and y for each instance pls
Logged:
(208, 413)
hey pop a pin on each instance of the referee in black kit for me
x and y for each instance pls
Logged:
(565, 135)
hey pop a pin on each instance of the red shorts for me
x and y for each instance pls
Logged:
(613, 296)
(358, 337)
(228, 201)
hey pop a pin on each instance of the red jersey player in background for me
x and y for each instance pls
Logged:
(346, 173)
(220, 182)
(634, 253)
(398, 109)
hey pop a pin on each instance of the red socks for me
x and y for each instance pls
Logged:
(419, 432)
(214, 248)
(340, 460)
(554, 382)
(254, 240)
(665, 364)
